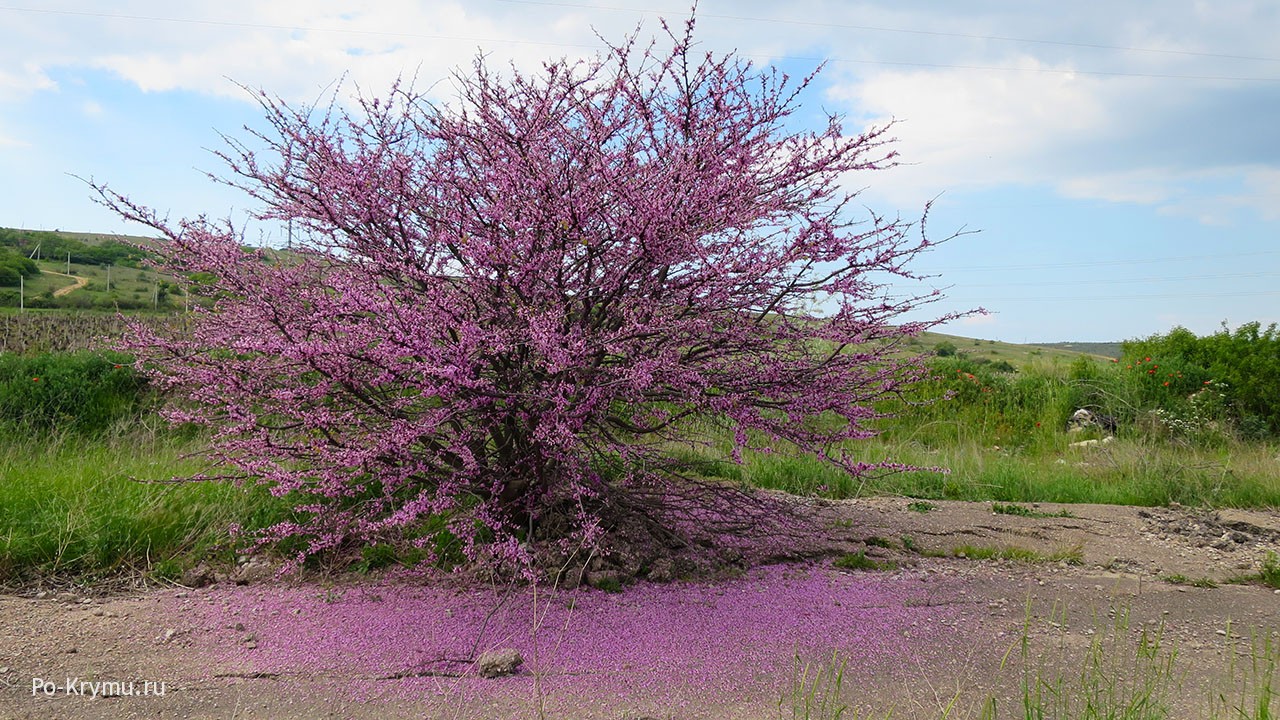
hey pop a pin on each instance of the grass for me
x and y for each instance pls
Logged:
(1129, 471)
(1121, 677)
(1022, 511)
(1124, 673)
(72, 507)
(1071, 556)
(860, 561)
(1268, 576)
(1180, 579)
(815, 691)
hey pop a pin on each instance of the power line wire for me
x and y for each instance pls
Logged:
(795, 58)
(1125, 281)
(1085, 298)
(1101, 263)
(875, 28)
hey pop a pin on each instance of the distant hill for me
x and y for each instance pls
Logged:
(1105, 349)
(1015, 354)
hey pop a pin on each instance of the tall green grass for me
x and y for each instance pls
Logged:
(1123, 673)
(69, 393)
(1002, 436)
(77, 506)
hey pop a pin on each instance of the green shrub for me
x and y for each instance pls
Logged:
(70, 392)
(1243, 365)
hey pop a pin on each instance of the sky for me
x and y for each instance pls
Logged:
(1113, 169)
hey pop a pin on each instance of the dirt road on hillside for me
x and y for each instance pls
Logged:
(938, 630)
(79, 283)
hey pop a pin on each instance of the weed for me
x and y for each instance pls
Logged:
(815, 691)
(922, 506)
(1072, 556)
(1117, 678)
(1180, 579)
(860, 561)
(73, 506)
(909, 544)
(1269, 575)
(607, 583)
(878, 541)
(1022, 511)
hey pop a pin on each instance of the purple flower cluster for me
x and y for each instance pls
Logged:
(655, 646)
(513, 305)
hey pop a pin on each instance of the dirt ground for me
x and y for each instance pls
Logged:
(979, 628)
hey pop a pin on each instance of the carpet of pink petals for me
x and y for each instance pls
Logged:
(674, 646)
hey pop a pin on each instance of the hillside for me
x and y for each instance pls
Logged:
(1103, 349)
(84, 271)
(97, 271)
(1012, 353)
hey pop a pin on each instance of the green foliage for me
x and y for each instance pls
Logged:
(1244, 365)
(1180, 579)
(1022, 511)
(816, 691)
(72, 506)
(77, 392)
(60, 246)
(14, 266)
(860, 561)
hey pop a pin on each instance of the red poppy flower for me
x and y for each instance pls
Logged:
(1166, 383)
(35, 379)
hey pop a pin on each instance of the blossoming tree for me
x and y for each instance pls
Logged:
(509, 309)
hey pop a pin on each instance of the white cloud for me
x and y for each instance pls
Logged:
(1262, 192)
(24, 79)
(961, 129)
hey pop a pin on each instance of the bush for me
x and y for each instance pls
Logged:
(557, 273)
(1244, 366)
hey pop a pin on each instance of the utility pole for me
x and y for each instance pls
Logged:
(108, 278)
(22, 293)
(68, 262)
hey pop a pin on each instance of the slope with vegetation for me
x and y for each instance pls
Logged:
(82, 271)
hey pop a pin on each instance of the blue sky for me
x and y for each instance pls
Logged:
(1120, 161)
